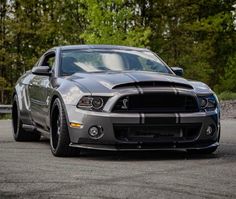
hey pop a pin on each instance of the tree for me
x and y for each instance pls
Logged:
(113, 22)
(198, 35)
(228, 81)
(3, 84)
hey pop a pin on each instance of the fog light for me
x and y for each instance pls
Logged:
(95, 132)
(210, 130)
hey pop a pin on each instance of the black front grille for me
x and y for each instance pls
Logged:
(147, 133)
(157, 103)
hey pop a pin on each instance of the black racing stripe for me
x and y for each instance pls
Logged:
(140, 118)
(135, 80)
(139, 91)
(132, 77)
(178, 118)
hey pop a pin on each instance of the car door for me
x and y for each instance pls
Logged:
(39, 92)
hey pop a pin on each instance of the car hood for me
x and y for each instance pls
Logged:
(108, 81)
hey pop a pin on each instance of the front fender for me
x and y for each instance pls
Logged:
(69, 94)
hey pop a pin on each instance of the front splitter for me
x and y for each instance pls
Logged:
(139, 147)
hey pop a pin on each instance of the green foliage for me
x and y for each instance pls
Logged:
(5, 116)
(228, 81)
(3, 83)
(197, 66)
(227, 95)
(110, 22)
(199, 36)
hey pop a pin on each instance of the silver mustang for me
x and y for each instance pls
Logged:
(113, 98)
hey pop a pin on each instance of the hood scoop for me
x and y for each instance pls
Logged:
(154, 84)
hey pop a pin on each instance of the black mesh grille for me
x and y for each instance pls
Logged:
(152, 133)
(157, 103)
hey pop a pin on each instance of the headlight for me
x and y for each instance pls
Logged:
(97, 102)
(208, 103)
(92, 102)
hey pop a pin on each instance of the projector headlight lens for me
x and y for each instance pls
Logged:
(92, 102)
(207, 102)
(97, 102)
(203, 102)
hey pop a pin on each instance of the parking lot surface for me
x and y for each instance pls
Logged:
(29, 170)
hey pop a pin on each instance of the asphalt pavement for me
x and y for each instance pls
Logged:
(29, 170)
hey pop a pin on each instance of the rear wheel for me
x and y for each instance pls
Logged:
(59, 138)
(19, 133)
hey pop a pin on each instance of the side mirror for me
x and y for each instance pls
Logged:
(42, 70)
(178, 71)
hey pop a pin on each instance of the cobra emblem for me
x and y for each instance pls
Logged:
(125, 101)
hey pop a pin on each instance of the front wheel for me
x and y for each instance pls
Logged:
(59, 138)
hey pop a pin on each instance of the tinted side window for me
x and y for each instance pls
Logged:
(49, 60)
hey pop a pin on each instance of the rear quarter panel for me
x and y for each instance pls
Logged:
(21, 90)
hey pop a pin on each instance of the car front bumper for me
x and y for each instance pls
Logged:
(109, 140)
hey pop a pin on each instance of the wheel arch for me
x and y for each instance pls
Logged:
(56, 95)
(13, 100)
(13, 95)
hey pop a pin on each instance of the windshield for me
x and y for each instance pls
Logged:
(110, 60)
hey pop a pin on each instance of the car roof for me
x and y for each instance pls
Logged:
(78, 47)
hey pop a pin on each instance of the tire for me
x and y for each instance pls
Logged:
(59, 134)
(19, 133)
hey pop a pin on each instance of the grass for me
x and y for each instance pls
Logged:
(227, 95)
(6, 116)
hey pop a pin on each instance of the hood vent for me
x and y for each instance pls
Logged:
(154, 84)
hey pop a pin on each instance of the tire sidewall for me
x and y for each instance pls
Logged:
(56, 103)
(61, 139)
(19, 124)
